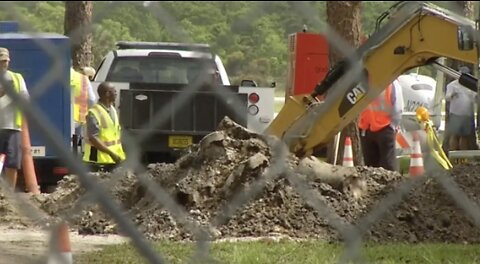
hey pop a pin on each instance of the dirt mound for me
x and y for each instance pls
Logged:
(8, 213)
(16, 210)
(211, 179)
(429, 213)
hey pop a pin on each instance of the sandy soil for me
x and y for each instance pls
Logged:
(25, 246)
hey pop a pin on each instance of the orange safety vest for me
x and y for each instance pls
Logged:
(378, 113)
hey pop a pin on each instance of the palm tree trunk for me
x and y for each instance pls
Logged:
(77, 26)
(344, 17)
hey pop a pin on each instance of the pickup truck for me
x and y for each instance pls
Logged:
(161, 100)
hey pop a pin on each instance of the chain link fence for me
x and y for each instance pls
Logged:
(97, 191)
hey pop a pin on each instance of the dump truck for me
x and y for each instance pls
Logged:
(416, 34)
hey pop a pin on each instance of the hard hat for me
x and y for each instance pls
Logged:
(422, 114)
(89, 71)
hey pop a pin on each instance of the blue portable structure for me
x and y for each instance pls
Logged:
(34, 56)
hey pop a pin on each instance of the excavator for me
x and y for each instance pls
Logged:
(416, 34)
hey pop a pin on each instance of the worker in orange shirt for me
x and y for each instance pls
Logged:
(378, 125)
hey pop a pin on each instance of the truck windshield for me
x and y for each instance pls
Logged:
(158, 69)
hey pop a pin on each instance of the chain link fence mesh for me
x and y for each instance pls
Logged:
(97, 191)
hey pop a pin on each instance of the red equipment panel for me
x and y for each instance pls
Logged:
(307, 62)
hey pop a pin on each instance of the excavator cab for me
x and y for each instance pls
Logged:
(416, 34)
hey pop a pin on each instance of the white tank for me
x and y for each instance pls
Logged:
(418, 90)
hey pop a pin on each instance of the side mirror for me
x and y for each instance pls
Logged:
(465, 37)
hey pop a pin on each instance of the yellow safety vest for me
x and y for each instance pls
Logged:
(17, 77)
(78, 82)
(110, 135)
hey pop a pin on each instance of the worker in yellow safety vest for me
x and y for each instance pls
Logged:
(83, 97)
(103, 148)
(11, 119)
(89, 71)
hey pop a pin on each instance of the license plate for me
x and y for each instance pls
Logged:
(179, 141)
(38, 151)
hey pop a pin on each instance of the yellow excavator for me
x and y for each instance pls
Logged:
(416, 34)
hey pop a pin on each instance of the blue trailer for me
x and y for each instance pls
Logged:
(34, 56)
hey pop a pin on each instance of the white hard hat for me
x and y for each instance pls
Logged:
(89, 71)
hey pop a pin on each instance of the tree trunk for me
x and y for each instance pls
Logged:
(344, 17)
(77, 26)
(465, 8)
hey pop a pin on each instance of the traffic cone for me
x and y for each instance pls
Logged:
(348, 153)
(60, 249)
(2, 161)
(416, 159)
(28, 166)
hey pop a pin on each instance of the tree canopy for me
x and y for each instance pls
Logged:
(250, 37)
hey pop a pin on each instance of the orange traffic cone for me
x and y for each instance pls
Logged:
(348, 153)
(28, 167)
(60, 251)
(2, 161)
(416, 159)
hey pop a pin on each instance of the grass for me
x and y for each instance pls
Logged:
(289, 252)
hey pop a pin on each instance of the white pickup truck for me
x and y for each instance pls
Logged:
(151, 75)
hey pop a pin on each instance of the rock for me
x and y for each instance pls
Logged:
(318, 171)
(258, 160)
(211, 146)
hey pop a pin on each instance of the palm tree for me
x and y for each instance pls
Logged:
(344, 17)
(77, 25)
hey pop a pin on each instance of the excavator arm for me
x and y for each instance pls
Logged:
(416, 34)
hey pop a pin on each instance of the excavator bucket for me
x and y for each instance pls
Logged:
(293, 109)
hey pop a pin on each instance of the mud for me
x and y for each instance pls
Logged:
(213, 188)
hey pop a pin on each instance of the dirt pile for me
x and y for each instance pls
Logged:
(16, 211)
(209, 181)
(8, 212)
(429, 213)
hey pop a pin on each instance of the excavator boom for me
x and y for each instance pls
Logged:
(416, 34)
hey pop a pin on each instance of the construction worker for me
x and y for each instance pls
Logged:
(89, 71)
(83, 98)
(11, 119)
(461, 124)
(378, 125)
(103, 150)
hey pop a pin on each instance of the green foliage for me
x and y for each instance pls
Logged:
(250, 37)
(370, 12)
(307, 252)
(106, 33)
